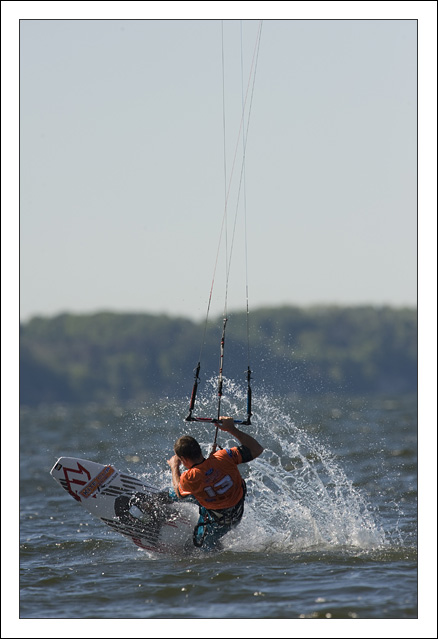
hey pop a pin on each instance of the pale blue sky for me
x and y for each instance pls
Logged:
(122, 178)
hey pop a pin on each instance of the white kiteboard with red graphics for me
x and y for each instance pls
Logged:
(127, 505)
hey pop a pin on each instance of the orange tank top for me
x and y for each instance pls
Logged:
(216, 482)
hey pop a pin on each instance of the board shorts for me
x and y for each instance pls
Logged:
(214, 524)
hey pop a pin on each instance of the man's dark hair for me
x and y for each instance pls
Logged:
(187, 446)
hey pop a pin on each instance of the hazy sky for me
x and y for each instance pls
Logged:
(122, 186)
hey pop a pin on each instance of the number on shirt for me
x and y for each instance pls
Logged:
(221, 487)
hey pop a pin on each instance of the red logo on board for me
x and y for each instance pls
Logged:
(72, 477)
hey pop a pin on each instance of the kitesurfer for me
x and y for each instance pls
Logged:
(214, 482)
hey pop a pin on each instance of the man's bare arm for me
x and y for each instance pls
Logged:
(174, 463)
(227, 424)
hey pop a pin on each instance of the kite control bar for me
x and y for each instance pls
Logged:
(213, 420)
(191, 418)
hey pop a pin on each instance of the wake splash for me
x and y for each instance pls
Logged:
(299, 498)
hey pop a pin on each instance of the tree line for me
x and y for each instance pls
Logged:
(107, 356)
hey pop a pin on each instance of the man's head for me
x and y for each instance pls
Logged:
(187, 448)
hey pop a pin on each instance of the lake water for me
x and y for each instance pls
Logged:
(329, 531)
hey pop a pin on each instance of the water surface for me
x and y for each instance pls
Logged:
(329, 532)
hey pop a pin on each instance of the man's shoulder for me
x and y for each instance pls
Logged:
(232, 454)
(225, 451)
(239, 454)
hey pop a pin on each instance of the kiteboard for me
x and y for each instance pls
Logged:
(127, 505)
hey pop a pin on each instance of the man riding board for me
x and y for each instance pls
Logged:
(214, 482)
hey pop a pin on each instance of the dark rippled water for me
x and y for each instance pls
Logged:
(330, 529)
